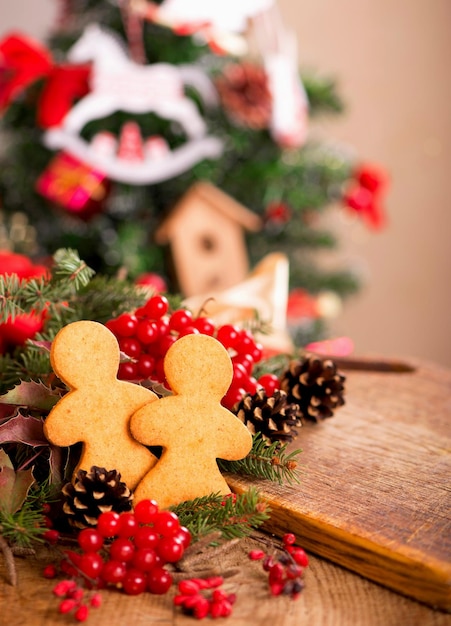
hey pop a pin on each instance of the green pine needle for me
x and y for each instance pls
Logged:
(270, 461)
(233, 517)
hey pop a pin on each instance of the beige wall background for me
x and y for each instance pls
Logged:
(392, 62)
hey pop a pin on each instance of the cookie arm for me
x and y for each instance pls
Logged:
(235, 441)
(55, 428)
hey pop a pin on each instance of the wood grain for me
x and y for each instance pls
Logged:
(374, 494)
(333, 596)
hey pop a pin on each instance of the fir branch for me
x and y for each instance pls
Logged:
(270, 461)
(72, 268)
(22, 528)
(234, 516)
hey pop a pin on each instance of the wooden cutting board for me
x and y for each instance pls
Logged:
(374, 494)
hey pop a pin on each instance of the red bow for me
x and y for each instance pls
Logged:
(22, 61)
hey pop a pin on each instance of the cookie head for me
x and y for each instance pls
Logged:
(198, 364)
(85, 351)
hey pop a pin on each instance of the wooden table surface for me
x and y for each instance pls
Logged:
(417, 407)
(332, 596)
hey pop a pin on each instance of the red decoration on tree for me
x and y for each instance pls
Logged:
(65, 84)
(14, 332)
(364, 195)
(76, 186)
(277, 213)
(22, 61)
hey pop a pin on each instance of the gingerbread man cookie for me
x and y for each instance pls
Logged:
(191, 425)
(98, 407)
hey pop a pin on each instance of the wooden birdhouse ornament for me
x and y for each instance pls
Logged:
(205, 231)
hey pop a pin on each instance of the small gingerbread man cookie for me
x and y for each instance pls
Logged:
(191, 425)
(98, 407)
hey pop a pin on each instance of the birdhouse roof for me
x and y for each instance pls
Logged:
(216, 199)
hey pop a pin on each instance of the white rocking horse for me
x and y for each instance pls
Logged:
(118, 83)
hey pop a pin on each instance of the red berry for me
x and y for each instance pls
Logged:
(167, 523)
(188, 587)
(180, 319)
(170, 549)
(127, 525)
(130, 346)
(96, 600)
(67, 605)
(163, 326)
(90, 540)
(146, 537)
(256, 555)
(270, 383)
(122, 549)
(82, 613)
(63, 587)
(134, 582)
(49, 571)
(147, 331)
(246, 360)
(188, 330)
(146, 511)
(125, 325)
(202, 608)
(299, 556)
(108, 524)
(245, 343)
(204, 325)
(251, 385)
(289, 539)
(233, 396)
(257, 352)
(227, 335)
(69, 564)
(113, 572)
(159, 581)
(144, 559)
(156, 307)
(146, 365)
(214, 581)
(51, 536)
(163, 344)
(128, 371)
(240, 375)
(91, 565)
(184, 536)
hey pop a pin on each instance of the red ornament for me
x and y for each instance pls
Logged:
(155, 282)
(301, 305)
(65, 84)
(364, 195)
(22, 61)
(76, 186)
(278, 213)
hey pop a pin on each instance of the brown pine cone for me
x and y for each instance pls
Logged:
(315, 385)
(93, 493)
(271, 416)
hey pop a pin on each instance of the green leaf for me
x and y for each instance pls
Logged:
(14, 486)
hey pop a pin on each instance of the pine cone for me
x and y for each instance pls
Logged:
(272, 416)
(93, 493)
(243, 89)
(315, 385)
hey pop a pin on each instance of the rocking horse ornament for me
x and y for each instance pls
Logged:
(118, 83)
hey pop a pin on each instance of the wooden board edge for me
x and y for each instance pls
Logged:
(409, 573)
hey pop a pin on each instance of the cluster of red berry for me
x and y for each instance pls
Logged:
(147, 334)
(128, 551)
(193, 602)
(73, 599)
(286, 571)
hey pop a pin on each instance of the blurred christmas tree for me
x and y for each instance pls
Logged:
(131, 102)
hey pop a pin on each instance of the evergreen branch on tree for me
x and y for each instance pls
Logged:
(234, 516)
(270, 461)
(69, 266)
